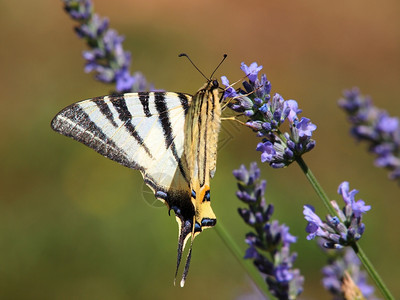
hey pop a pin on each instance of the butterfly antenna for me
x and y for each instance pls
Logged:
(187, 56)
(225, 56)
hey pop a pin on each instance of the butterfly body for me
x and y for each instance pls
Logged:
(200, 148)
(171, 138)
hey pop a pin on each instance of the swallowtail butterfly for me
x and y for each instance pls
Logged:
(171, 138)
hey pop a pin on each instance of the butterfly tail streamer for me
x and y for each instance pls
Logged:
(187, 264)
(185, 230)
(186, 270)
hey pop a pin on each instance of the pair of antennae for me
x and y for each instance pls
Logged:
(209, 78)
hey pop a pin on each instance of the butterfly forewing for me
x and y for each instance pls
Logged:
(130, 129)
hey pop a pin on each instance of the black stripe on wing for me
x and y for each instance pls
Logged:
(74, 122)
(105, 110)
(162, 110)
(184, 101)
(125, 116)
(144, 99)
(163, 117)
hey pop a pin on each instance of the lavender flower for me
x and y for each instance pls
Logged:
(343, 229)
(340, 264)
(266, 115)
(376, 127)
(269, 245)
(106, 57)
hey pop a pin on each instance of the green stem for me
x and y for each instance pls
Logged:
(317, 187)
(357, 249)
(247, 264)
(372, 272)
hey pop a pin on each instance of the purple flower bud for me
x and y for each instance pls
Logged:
(278, 165)
(266, 84)
(266, 126)
(249, 113)
(374, 126)
(104, 74)
(81, 12)
(248, 87)
(289, 154)
(251, 252)
(244, 196)
(387, 124)
(255, 125)
(106, 56)
(267, 150)
(310, 145)
(124, 81)
(258, 101)
(265, 108)
(283, 281)
(340, 263)
(334, 221)
(291, 144)
(260, 189)
(383, 149)
(293, 108)
(341, 230)
(246, 215)
(266, 115)
(283, 274)
(92, 55)
(241, 174)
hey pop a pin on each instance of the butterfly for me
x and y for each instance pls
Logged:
(171, 138)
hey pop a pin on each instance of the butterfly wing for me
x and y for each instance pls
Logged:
(143, 131)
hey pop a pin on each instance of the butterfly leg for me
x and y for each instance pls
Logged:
(233, 119)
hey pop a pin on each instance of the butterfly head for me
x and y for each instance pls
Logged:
(210, 86)
(213, 84)
(209, 91)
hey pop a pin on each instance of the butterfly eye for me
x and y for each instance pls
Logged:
(215, 84)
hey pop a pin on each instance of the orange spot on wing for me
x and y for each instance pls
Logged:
(203, 191)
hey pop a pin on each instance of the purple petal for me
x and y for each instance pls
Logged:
(251, 71)
(305, 127)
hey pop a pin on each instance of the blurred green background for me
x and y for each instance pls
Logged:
(74, 225)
